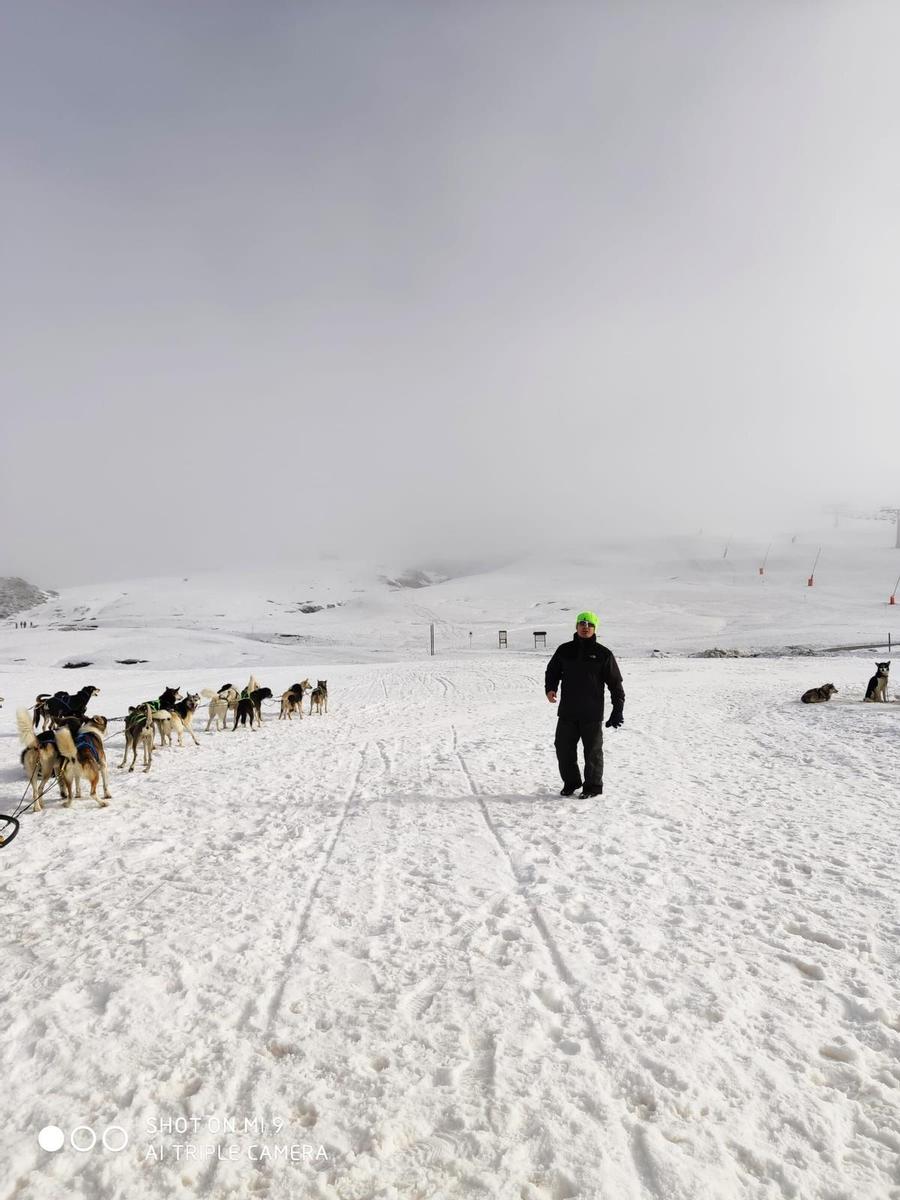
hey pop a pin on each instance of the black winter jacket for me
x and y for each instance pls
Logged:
(584, 667)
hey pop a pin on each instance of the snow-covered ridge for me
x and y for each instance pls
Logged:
(687, 595)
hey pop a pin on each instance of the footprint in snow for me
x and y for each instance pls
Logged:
(556, 1185)
(446, 1076)
(568, 1045)
(581, 915)
(839, 1052)
(813, 935)
(550, 998)
(810, 970)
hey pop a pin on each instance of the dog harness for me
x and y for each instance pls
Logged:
(139, 713)
(84, 740)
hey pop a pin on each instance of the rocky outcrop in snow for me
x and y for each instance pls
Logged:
(16, 595)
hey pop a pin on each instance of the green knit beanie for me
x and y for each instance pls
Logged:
(591, 618)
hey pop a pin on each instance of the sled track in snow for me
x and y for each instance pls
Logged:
(559, 963)
(629, 1146)
(272, 1005)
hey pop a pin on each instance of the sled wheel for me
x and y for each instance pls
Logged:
(9, 827)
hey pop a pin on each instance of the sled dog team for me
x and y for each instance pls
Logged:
(70, 748)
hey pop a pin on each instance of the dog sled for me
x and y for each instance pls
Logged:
(9, 827)
(9, 822)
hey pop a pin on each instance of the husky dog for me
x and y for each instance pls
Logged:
(318, 697)
(53, 710)
(90, 757)
(41, 716)
(245, 711)
(160, 710)
(877, 689)
(139, 732)
(819, 695)
(219, 703)
(44, 759)
(250, 707)
(257, 694)
(180, 718)
(292, 700)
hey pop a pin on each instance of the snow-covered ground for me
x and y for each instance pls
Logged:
(374, 954)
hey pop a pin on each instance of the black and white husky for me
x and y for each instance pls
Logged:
(249, 708)
(877, 689)
(180, 718)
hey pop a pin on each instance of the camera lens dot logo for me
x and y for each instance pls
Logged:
(51, 1138)
(83, 1138)
(117, 1143)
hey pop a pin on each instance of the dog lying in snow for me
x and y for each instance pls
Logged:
(819, 695)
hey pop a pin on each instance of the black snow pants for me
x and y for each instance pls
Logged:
(568, 734)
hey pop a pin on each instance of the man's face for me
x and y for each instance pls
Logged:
(584, 629)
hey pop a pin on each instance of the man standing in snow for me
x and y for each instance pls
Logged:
(585, 668)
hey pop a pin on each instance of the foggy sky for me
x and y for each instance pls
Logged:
(439, 278)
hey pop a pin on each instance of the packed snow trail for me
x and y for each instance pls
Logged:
(382, 935)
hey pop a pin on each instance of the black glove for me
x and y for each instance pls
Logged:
(615, 720)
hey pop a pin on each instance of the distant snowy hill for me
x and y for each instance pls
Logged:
(673, 595)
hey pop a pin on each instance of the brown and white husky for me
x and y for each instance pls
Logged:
(90, 757)
(44, 759)
(318, 697)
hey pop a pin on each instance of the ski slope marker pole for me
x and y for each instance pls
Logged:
(812, 574)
